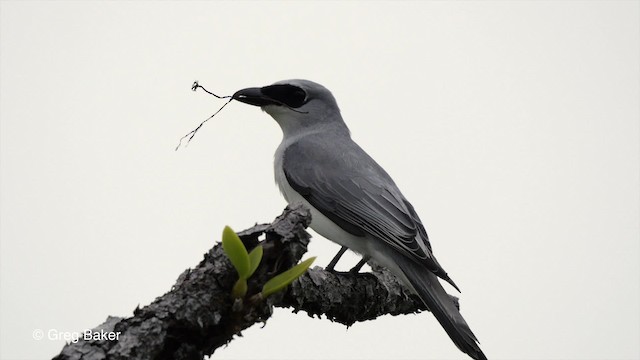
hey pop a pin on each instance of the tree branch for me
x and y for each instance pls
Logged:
(198, 314)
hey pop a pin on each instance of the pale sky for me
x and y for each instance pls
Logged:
(512, 127)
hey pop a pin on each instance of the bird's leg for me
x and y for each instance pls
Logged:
(359, 265)
(335, 259)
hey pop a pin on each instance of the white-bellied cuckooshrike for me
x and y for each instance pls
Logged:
(353, 201)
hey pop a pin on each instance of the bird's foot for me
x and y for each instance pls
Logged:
(359, 265)
(334, 261)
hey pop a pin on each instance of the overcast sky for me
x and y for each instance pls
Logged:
(512, 127)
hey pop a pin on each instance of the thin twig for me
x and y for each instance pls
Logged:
(193, 132)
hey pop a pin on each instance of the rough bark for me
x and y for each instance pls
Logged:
(198, 315)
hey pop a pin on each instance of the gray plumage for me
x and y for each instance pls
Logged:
(353, 201)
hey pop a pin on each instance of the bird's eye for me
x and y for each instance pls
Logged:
(289, 95)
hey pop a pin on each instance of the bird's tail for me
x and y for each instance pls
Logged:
(429, 289)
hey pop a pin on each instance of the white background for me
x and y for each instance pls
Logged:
(513, 127)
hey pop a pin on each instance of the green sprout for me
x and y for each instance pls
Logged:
(246, 264)
(282, 280)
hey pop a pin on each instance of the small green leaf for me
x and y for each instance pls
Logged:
(254, 259)
(237, 253)
(281, 281)
(239, 289)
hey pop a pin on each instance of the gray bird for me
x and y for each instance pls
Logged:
(353, 201)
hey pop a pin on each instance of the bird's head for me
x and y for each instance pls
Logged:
(294, 104)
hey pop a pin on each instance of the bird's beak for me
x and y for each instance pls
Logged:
(254, 96)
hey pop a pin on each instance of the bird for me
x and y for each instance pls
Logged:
(353, 200)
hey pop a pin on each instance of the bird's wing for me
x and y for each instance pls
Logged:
(354, 192)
